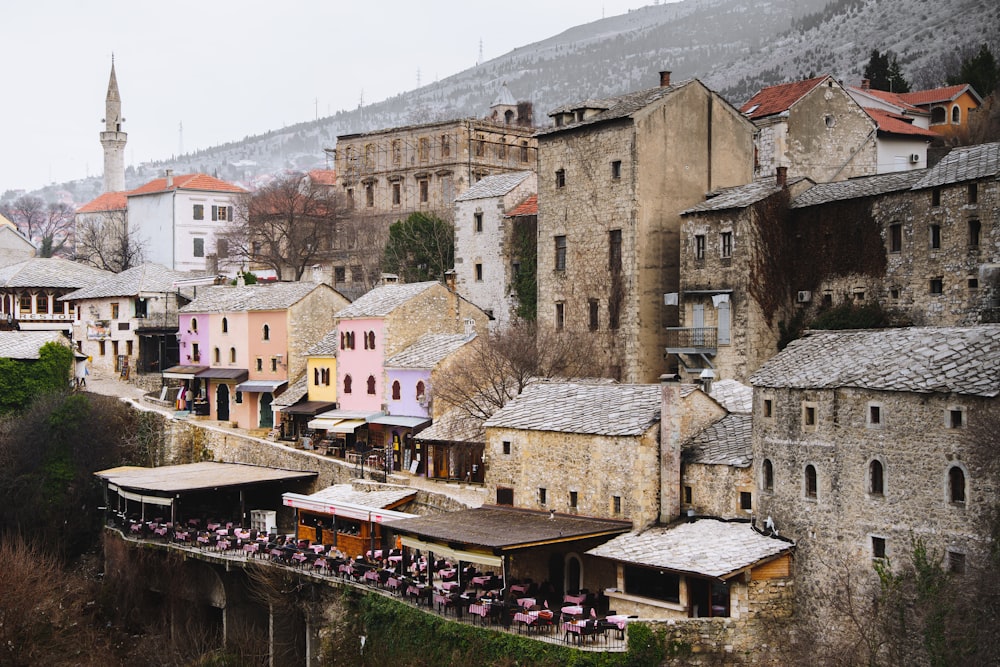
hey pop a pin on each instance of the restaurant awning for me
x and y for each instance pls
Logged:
(393, 420)
(261, 386)
(347, 510)
(237, 374)
(451, 554)
(138, 497)
(183, 372)
(305, 408)
(346, 426)
(323, 424)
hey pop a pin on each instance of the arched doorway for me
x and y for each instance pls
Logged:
(222, 402)
(266, 415)
(573, 574)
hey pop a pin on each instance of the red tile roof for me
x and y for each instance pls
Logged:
(109, 201)
(946, 94)
(895, 99)
(528, 207)
(776, 99)
(898, 124)
(323, 176)
(187, 182)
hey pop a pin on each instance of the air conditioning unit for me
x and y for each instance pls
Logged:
(914, 158)
(804, 296)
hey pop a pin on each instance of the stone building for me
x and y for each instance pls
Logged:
(865, 440)
(14, 245)
(30, 292)
(925, 245)
(614, 176)
(488, 245)
(814, 129)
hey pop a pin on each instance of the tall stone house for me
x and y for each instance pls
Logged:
(242, 345)
(815, 129)
(865, 440)
(614, 176)
(490, 242)
(129, 321)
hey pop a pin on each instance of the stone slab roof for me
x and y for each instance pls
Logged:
(51, 272)
(959, 360)
(326, 347)
(26, 344)
(706, 547)
(733, 395)
(569, 407)
(428, 351)
(454, 426)
(381, 498)
(726, 442)
(864, 186)
(494, 186)
(507, 527)
(296, 392)
(384, 299)
(967, 163)
(143, 279)
(739, 196)
(614, 108)
(260, 296)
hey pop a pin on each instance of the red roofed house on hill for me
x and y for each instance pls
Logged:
(949, 107)
(903, 133)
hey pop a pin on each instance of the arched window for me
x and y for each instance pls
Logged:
(420, 391)
(347, 384)
(225, 325)
(232, 355)
(371, 384)
(371, 340)
(194, 324)
(956, 484)
(768, 475)
(267, 332)
(956, 115)
(395, 390)
(215, 355)
(876, 478)
(810, 481)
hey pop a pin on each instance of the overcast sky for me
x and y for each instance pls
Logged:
(226, 69)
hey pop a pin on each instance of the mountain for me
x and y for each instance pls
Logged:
(734, 46)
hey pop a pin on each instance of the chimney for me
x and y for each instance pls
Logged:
(470, 327)
(866, 84)
(449, 279)
(670, 447)
(170, 178)
(706, 378)
(782, 177)
(664, 78)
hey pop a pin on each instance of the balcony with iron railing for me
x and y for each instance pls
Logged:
(692, 340)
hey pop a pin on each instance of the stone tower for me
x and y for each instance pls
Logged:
(112, 138)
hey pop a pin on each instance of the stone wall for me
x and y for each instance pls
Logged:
(715, 489)
(308, 321)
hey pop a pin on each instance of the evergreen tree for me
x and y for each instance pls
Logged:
(884, 73)
(420, 248)
(980, 71)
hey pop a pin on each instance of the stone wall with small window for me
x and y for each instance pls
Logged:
(717, 490)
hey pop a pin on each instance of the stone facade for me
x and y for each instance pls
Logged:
(715, 489)
(610, 191)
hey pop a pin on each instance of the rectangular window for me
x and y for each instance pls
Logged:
(616, 504)
(506, 446)
(937, 286)
(956, 418)
(975, 229)
(936, 197)
(874, 415)
(445, 145)
(397, 152)
(652, 583)
(524, 151)
(140, 307)
(479, 273)
(100, 347)
(260, 364)
(592, 305)
(616, 170)
(878, 547)
(896, 238)
(115, 310)
(560, 316)
(502, 150)
(973, 193)
(688, 495)
(505, 496)
(560, 243)
(423, 149)
(560, 178)
(699, 246)
(478, 218)
(199, 212)
(195, 352)
(541, 496)
(199, 247)
(935, 239)
(357, 275)
(369, 195)
(396, 194)
(339, 274)
(956, 562)
(573, 498)
(726, 244)
(973, 283)
(424, 187)
(615, 250)
(274, 364)
(768, 408)
(809, 416)
(746, 500)
(479, 146)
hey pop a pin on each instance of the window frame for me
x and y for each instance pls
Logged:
(560, 245)
(810, 482)
(876, 478)
(726, 244)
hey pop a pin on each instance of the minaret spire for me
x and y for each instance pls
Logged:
(112, 138)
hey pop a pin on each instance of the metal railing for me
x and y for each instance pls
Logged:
(697, 338)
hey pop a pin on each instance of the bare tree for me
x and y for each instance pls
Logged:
(498, 366)
(48, 225)
(107, 242)
(287, 225)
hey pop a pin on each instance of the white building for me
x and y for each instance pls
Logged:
(485, 243)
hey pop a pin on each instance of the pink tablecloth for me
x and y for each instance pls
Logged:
(528, 617)
(449, 585)
(479, 581)
(573, 610)
(619, 620)
(526, 602)
(575, 599)
(519, 588)
(479, 610)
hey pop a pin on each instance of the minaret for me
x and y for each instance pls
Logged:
(113, 139)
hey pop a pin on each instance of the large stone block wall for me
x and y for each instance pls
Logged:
(715, 489)
(308, 321)
(436, 310)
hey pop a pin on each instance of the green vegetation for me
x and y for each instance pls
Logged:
(526, 279)
(884, 73)
(850, 316)
(980, 71)
(420, 248)
(21, 381)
